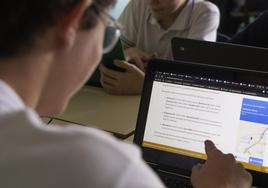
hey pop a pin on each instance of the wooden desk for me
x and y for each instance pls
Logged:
(91, 106)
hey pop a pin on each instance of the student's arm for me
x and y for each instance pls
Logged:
(220, 170)
(206, 18)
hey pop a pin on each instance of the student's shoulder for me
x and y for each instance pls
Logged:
(74, 137)
(118, 162)
(109, 156)
(91, 140)
(94, 144)
(202, 6)
(85, 157)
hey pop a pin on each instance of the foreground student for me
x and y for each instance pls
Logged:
(149, 26)
(48, 49)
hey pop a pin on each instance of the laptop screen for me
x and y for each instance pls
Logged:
(188, 104)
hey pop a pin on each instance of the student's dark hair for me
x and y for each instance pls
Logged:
(22, 20)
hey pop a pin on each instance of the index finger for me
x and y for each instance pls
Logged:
(210, 148)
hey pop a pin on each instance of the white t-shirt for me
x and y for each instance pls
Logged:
(34, 155)
(199, 19)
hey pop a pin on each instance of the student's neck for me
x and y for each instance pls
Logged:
(26, 75)
(169, 20)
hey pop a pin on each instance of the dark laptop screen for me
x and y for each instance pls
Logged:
(188, 104)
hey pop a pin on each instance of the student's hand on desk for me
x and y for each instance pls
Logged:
(220, 171)
(122, 83)
(139, 57)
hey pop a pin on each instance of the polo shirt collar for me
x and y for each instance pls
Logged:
(181, 23)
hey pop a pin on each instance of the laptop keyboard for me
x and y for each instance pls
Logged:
(173, 181)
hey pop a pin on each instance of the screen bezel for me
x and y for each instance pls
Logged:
(174, 162)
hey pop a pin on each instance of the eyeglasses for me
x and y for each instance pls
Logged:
(112, 34)
(112, 30)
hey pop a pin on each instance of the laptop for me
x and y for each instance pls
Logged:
(215, 53)
(183, 104)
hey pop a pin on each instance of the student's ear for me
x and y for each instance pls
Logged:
(68, 24)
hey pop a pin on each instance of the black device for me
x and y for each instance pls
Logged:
(222, 54)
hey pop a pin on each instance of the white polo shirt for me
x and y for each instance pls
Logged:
(198, 20)
(37, 156)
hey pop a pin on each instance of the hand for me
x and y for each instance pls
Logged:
(220, 171)
(139, 58)
(122, 83)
